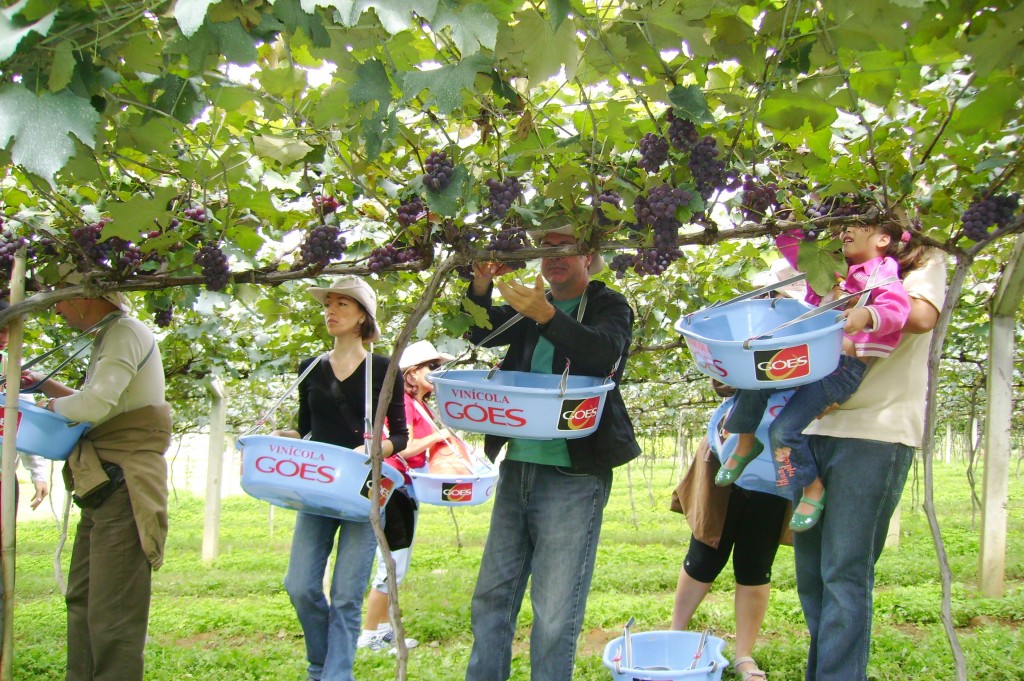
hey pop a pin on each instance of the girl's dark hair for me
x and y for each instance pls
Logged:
(908, 254)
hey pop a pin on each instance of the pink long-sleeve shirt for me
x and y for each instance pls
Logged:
(889, 305)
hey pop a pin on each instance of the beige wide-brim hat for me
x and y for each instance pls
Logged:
(562, 226)
(781, 270)
(115, 298)
(421, 352)
(355, 288)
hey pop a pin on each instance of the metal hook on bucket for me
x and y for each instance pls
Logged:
(629, 642)
(700, 647)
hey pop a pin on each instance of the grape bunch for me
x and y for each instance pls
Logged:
(502, 194)
(985, 213)
(511, 237)
(758, 198)
(163, 316)
(660, 205)
(214, 265)
(681, 133)
(197, 214)
(837, 206)
(708, 170)
(382, 258)
(92, 250)
(9, 245)
(324, 205)
(410, 211)
(321, 244)
(439, 169)
(646, 261)
(653, 152)
(609, 197)
(124, 256)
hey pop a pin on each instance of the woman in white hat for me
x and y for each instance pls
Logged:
(418, 360)
(331, 409)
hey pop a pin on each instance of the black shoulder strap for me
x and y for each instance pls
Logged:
(339, 397)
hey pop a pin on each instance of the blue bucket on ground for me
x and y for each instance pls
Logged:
(759, 475)
(313, 477)
(741, 345)
(43, 432)
(520, 404)
(665, 656)
(476, 487)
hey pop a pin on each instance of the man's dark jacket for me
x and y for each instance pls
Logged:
(592, 347)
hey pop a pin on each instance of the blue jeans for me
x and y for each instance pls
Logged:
(787, 430)
(545, 523)
(835, 559)
(330, 630)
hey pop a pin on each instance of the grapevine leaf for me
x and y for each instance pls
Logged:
(11, 33)
(546, 52)
(689, 102)
(178, 98)
(41, 127)
(478, 314)
(445, 84)
(473, 27)
(446, 202)
(558, 11)
(788, 111)
(235, 44)
(820, 263)
(63, 68)
(190, 14)
(394, 15)
(372, 84)
(131, 217)
(284, 150)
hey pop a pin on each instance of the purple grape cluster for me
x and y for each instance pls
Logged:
(653, 152)
(681, 133)
(609, 197)
(646, 261)
(657, 211)
(758, 198)
(985, 213)
(384, 257)
(214, 265)
(124, 256)
(197, 214)
(9, 245)
(439, 169)
(709, 173)
(92, 250)
(511, 237)
(838, 206)
(163, 316)
(325, 205)
(502, 194)
(410, 211)
(322, 244)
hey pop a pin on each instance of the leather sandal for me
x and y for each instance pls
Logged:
(754, 674)
(801, 522)
(727, 476)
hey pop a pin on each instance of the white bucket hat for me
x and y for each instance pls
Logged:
(421, 352)
(355, 288)
(562, 225)
(115, 298)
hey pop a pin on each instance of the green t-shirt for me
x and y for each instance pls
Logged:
(547, 452)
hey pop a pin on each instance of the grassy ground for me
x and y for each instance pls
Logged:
(230, 620)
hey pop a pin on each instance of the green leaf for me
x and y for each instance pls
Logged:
(446, 84)
(11, 32)
(190, 14)
(131, 217)
(178, 98)
(235, 44)
(558, 10)
(446, 203)
(478, 314)
(372, 83)
(820, 262)
(63, 68)
(789, 110)
(472, 27)
(689, 102)
(394, 15)
(284, 150)
(41, 125)
(246, 238)
(546, 52)
(285, 82)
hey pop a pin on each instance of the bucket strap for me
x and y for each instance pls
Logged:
(838, 302)
(277, 403)
(85, 334)
(764, 290)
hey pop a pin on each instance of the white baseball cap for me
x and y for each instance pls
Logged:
(355, 288)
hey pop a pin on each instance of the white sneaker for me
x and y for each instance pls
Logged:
(385, 640)
(366, 639)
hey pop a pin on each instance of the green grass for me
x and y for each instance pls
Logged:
(230, 619)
